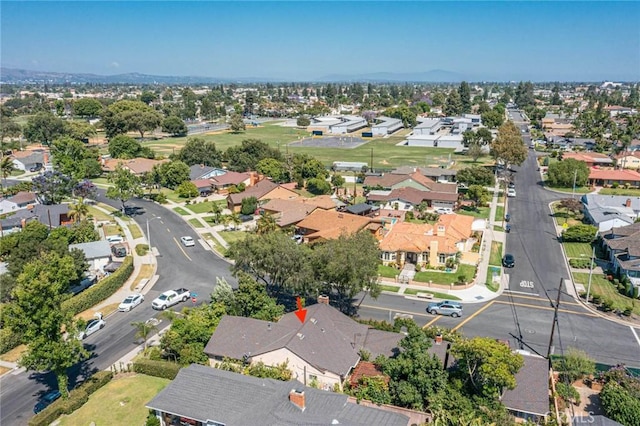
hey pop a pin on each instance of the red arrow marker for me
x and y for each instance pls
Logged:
(300, 313)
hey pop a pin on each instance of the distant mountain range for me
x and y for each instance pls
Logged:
(12, 75)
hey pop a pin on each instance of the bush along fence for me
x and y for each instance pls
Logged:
(77, 398)
(81, 302)
(102, 290)
(165, 369)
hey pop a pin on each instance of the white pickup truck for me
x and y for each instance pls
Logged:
(170, 298)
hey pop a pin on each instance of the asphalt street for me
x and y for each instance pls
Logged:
(195, 268)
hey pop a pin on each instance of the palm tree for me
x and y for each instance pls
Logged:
(266, 223)
(224, 220)
(216, 210)
(235, 219)
(78, 211)
(143, 330)
(6, 167)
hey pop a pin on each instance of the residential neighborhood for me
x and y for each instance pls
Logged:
(206, 223)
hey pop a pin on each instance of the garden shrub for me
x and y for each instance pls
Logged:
(580, 263)
(8, 340)
(579, 234)
(100, 291)
(164, 369)
(596, 298)
(142, 249)
(607, 305)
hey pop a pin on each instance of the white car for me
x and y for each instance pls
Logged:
(170, 298)
(131, 302)
(92, 326)
(511, 192)
(187, 241)
(444, 210)
(115, 239)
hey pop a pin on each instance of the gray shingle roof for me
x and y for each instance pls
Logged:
(93, 250)
(531, 394)
(328, 339)
(203, 393)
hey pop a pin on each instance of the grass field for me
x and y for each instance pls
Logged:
(499, 214)
(181, 211)
(482, 212)
(111, 229)
(99, 215)
(135, 231)
(601, 286)
(438, 277)
(205, 207)
(385, 152)
(496, 253)
(391, 288)
(578, 250)
(569, 190)
(119, 402)
(620, 191)
(196, 223)
(437, 295)
(232, 236)
(387, 271)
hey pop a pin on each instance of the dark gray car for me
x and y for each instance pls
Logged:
(445, 308)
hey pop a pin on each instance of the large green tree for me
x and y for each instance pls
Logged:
(563, 173)
(476, 176)
(274, 169)
(479, 195)
(487, 365)
(453, 105)
(274, 259)
(246, 157)
(125, 185)
(126, 115)
(348, 278)
(173, 173)
(87, 107)
(465, 97)
(123, 146)
(43, 128)
(73, 158)
(199, 151)
(36, 312)
(174, 126)
(508, 146)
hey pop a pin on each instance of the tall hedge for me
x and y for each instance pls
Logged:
(77, 398)
(102, 290)
(164, 369)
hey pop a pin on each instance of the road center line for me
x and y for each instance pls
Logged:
(635, 335)
(181, 249)
(430, 323)
(473, 315)
(394, 310)
(546, 308)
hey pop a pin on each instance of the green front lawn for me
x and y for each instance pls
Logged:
(388, 271)
(135, 231)
(569, 190)
(391, 288)
(563, 216)
(172, 196)
(579, 250)
(606, 289)
(481, 212)
(232, 236)
(119, 402)
(437, 277)
(437, 295)
(499, 217)
(496, 253)
(196, 223)
(181, 211)
(631, 192)
(205, 207)
(489, 278)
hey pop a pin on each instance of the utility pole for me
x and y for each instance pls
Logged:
(575, 176)
(555, 320)
(593, 255)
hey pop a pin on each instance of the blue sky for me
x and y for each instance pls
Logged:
(302, 40)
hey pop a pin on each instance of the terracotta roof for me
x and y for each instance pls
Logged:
(457, 226)
(258, 190)
(587, 157)
(389, 180)
(416, 238)
(366, 369)
(330, 224)
(288, 211)
(414, 196)
(604, 174)
(321, 201)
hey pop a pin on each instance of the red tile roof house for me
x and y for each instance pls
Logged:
(263, 191)
(416, 180)
(222, 183)
(607, 177)
(324, 349)
(329, 224)
(591, 158)
(290, 212)
(409, 198)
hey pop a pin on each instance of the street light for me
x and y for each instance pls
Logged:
(149, 234)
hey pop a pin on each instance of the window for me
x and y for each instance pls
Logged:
(313, 377)
(386, 255)
(442, 258)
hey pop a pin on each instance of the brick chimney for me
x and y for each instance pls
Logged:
(628, 203)
(323, 299)
(297, 398)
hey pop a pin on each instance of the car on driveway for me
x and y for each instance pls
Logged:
(131, 302)
(170, 298)
(46, 401)
(445, 307)
(115, 239)
(92, 326)
(444, 210)
(508, 261)
(187, 241)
